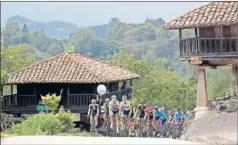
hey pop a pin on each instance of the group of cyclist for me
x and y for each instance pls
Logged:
(117, 112)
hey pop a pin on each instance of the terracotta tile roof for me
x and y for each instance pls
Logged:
(70, 68)
(212, 14)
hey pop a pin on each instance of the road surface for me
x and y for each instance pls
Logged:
(89, 140)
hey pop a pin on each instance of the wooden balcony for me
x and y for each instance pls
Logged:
(77, 103)
(20, 103)
(209, 48)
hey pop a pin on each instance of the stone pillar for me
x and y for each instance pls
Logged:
(202, 102)
(202, 99)
(235, 78)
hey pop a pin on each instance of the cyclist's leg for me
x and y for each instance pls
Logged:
(96, 120)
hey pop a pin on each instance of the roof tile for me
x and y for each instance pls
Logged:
(70, 68)
(212, 14)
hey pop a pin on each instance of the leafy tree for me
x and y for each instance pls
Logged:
(156, 85)
(15, 58)
(24, 29)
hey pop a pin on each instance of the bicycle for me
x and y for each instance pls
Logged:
(93, 127)
(170, 127)
(157, 128)
(149, 129)
(176, 131)
(107, 127)
(113, 130)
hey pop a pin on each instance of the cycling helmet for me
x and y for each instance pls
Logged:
(114, 97)
(93, 101)
(124, 97)
(156, 107)
(107, 100)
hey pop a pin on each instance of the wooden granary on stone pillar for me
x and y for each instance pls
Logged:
(215, 42)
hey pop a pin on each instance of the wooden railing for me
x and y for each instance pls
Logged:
(211, 47)
(80, 99)
(19, 101)
(83, 100)
(119, 94)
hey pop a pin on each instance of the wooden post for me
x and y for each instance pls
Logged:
(35, 96)
(11, 90)
(68, 99)
(196, 32)
(235, 78)
(202, 99)
(180, 44)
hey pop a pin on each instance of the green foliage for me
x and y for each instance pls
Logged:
(25, 29)
(15, 58)
(156, 85)
(51, 101)
(40, 124)
(218, 82)
(67, 118)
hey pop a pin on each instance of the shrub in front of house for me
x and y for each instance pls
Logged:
(66, 118)
(39, 124)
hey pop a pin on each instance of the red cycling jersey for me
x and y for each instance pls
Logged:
(149, 110)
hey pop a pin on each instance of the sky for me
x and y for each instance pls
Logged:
(95, 13)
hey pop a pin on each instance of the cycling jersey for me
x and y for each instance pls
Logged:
(106, 107)
(171, 117)
(114, 107)
(179, 116)
(125, 105)
(149, 110)
(161, 115)
(93, 109)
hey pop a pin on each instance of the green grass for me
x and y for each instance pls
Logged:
(4, 134)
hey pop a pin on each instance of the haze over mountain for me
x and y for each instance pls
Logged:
(95, 13)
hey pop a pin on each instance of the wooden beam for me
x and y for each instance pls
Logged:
(11, 90)
(201, 67)
(223, 62)
(180, 34)
(196, 32)
(68, 99)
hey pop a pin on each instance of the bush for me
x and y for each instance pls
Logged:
(66, 118)
(40, 124)
(51, 101)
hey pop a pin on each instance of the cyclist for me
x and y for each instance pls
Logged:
(106, 110)
(179, 118)
(149, 113)
(125, 109)
(170, 122)
(114, 111)
(93, 112)
(163, 117)
(156, 117)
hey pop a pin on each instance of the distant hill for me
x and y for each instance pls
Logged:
(57, 29)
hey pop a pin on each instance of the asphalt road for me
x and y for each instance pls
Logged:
(89, 140)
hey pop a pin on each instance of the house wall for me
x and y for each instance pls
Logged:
(219, 31)
(234, 30)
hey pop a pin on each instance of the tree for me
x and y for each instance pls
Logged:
(156, 85)
(25, 29)
(15, 58)
(114, 21)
